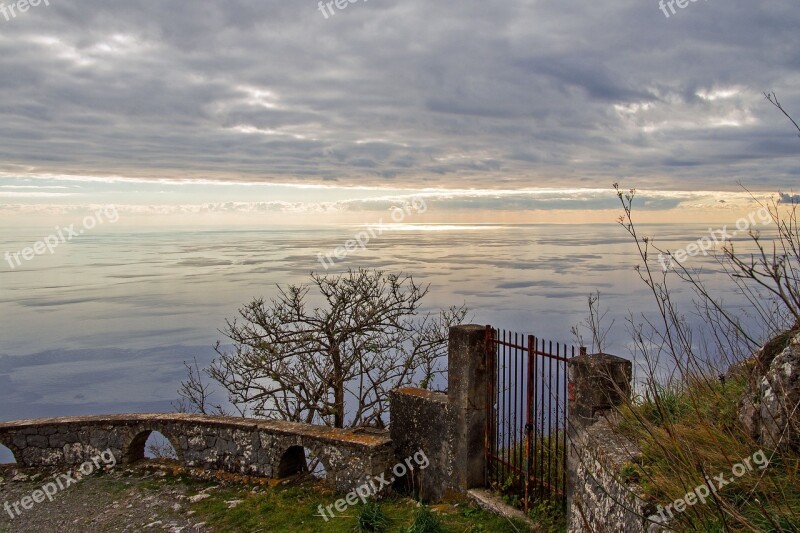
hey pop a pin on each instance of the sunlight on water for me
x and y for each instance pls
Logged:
(434, 227)
(106, 322)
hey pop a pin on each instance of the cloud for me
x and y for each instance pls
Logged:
(436, 201)
(32, 194)
(468, 94)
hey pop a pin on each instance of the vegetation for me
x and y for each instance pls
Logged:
(293, 509)
(691, 434)
(425, 522)
(546, 450)
(330, 364)
(550, 517)
(698, 376)
(686, 414)
(371, 518)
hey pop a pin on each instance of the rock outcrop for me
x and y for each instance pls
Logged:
(771, 409)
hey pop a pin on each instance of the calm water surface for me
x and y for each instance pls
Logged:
(104, 324)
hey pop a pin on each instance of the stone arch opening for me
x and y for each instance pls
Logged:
(299, 460)
(316, 464)
(293, 462)
(158, 446)
(151, 444)
(7, 456)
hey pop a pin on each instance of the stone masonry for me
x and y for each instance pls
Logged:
(449, 428)
(597, 498)
(245, 446)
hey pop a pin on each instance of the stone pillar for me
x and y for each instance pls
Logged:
(597, 384)
(467, 382)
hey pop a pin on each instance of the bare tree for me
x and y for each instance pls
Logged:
(290, 361)
(195, 393)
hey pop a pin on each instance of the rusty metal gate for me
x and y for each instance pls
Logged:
(526, 426)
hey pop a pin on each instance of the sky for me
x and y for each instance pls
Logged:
(270, 112)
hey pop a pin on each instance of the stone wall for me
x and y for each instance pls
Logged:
(238, 445)
(597, 384)
(424, 420)
(600, 500)
(449, 428)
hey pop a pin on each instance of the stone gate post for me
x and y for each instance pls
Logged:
(449, 428)
(597, 385)
(467, 382)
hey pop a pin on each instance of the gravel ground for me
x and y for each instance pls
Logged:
(125, 499)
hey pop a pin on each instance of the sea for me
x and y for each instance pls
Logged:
(105, 323)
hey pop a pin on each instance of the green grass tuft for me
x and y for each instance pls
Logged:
(371, 519)
(425, 522)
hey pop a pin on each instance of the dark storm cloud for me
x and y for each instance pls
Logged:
(404, 92)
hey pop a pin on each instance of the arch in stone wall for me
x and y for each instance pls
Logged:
(294, 460)
(255, 447)
(136, 449)
(14, 453)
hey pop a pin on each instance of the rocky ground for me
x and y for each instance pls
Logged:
(142, 498)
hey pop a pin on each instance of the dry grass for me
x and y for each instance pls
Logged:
(691, 433)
